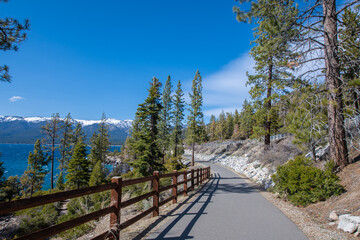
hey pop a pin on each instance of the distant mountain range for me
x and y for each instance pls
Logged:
(28, 129)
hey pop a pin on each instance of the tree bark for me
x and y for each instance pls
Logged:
(268, 107)
(337, 137)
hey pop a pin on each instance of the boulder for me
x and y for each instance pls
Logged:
(333, 216)
(350, 228)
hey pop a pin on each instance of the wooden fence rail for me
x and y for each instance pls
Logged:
(116, 186)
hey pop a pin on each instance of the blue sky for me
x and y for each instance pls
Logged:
(89, 57)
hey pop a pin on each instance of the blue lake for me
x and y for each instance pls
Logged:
(15, 158)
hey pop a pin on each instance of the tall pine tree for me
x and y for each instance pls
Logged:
(100, 143)
(272, 54)
(51, 130)
(178, 118)
(79, 167)
(146, 148)
(165, 119)
(196, 127)
(33, 178)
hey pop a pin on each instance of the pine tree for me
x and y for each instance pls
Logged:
(236, 132)
(178, 118)
(66, 148)
(146, 148)
(307, 120)
(221, 127)
(100, 143)
(97, 175)
(272, 54)
(78, 134)
(51, 130)
(12, 34)
(165, 118)
(196, 126)
(246, 120)
(229, 125)
(349, 55)
(212, 132)
(33, 178)
(79, 167)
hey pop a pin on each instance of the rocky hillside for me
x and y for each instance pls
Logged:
(248, 157)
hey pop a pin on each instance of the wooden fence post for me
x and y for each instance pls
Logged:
(185, 183)
(156, 186)
(116, 202)
(197, 177)
(192, 179)
(174, 189)
(209, 172)
(201, 175)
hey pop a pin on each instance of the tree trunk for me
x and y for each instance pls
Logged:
(268, 107)
(193, 154)
(337, 138)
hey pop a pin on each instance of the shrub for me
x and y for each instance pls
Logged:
(174, 163)
(81, 206)
(36, 218)
(301, 183)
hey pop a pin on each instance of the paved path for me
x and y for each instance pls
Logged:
(227, 208)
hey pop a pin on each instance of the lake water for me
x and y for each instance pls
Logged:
(15, 158)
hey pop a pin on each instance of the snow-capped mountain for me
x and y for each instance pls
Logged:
(15, 129)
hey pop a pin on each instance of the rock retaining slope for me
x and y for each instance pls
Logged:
(253, 170)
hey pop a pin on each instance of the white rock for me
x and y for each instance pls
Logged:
(333, 216)
(354, 219)
(332, 223)
(343, 221)
(350, 228)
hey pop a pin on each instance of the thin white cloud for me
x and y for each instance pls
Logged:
(15, 98)
(225, 89)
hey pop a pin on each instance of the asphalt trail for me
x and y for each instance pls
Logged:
(227, 208)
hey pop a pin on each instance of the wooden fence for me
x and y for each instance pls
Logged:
(197, 177)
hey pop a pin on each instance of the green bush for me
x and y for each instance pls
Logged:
(81, 206)
(302, 183)
(36, 218)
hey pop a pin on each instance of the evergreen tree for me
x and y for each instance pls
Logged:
(229, 125)
(79, 167)
(236, 132)
(212, 132)
(100, 143)
(308, 118)
(12, 189)
(196, 126)
(12, 34)
(146, 148)
(272, 54)
(66, 148)
(97, 175)
(178, 118)
(221, 127)
(78, 134)
(51, 130)
(165, 118)
(349, 55)
(246, 120)
(33, 178)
